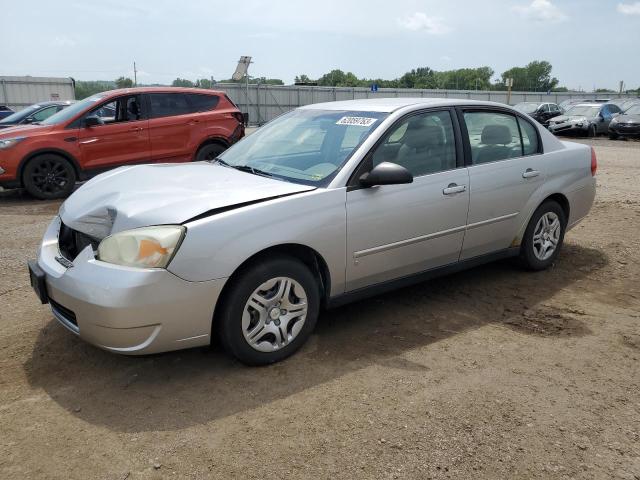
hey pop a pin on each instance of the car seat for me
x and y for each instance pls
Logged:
(495, 139)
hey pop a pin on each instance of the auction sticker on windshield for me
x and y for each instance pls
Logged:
(359, 121)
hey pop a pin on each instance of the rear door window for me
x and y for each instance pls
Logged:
(493, 136)
(168, 104)
(201, 102)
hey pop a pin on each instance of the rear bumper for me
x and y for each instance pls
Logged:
(126, 310)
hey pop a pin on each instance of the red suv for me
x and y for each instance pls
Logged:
(119, 127)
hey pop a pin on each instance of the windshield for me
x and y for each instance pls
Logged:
(21, 115)
(527, 107)
(583, 111)
(72, 110)
(303, 146)
(634, 110)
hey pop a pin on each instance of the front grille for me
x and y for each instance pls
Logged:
(64, 312)
(71, 242)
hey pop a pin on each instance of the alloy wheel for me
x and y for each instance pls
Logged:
(50, 176)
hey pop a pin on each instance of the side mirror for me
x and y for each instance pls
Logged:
(92, 121)
(386, 173)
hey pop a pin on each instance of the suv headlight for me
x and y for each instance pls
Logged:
(10, 142)
(147, 247)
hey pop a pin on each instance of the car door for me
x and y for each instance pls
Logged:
(171, 127)
(505, 169)
(399, 230)
(122, 137)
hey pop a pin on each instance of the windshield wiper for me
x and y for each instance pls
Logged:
(253, 170)
(243, 168)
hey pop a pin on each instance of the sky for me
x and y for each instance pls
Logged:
(590, 43)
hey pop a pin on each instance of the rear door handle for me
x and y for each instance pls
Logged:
(530, 173)
(453, 188)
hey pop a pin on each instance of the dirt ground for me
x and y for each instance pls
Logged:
(490, 373)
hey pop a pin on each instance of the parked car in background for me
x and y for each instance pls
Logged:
(626, 124)
(541, 112)
(5, 111)
(37, 112)
(627, 103)
(565, 104)
(326, 204)
(589, 119)
(114, 128)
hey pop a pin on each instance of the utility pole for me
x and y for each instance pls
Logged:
(135, 75)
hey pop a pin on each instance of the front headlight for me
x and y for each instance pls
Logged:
(147, 247)
(10, 142)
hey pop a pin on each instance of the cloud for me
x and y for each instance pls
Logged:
(421, 22)
(541, 11)
(63, 41)
(629, 8)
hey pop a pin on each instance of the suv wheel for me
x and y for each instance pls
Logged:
(270, 311)
(209, 152)
(49, 176)
(543, 237)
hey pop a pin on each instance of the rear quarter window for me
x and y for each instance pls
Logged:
(202, 103)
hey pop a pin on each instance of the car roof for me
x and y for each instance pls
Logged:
(125, 91)
(389, 105)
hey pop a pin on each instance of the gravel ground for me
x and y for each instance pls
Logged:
(490, 373)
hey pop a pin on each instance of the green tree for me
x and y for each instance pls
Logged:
(84, 89)
(204, 83)
(536, 77)
(303, 79)
(124, 82)
(182, 82)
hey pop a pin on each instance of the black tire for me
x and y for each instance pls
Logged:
(613, 135)
(528, 258)
(49, 176)
(209, 152)
(229, 321)
(592, 133)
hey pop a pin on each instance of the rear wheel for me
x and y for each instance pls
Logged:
(543, 237)
(269, 311)
(49, 176)
(209, 152)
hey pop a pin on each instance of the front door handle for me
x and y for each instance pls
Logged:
(454, 188)
(530, 173)
(137, 129)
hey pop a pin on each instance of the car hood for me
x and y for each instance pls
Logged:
(160, 194)
(628, 118)
(17, 130)
(568, 118)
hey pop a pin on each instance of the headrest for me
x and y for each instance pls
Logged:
(496, 135)
(423, 136)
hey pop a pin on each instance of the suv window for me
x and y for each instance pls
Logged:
(493, 136)
(168, 104)
(123, 109)
(545, 107)
(423, 144)
(554, 107)
(200, 102)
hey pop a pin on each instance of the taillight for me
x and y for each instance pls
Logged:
(594, 162)
(239, 117)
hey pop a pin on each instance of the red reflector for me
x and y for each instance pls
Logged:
(594, 162)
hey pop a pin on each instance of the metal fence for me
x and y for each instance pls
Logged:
(20, 92)
(265, 102)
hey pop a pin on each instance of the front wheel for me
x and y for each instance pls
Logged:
(543, 237)
(49, 176)
(592, 131)
(613, 135)
(270, 311)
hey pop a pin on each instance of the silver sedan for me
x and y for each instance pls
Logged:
(327, 204)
